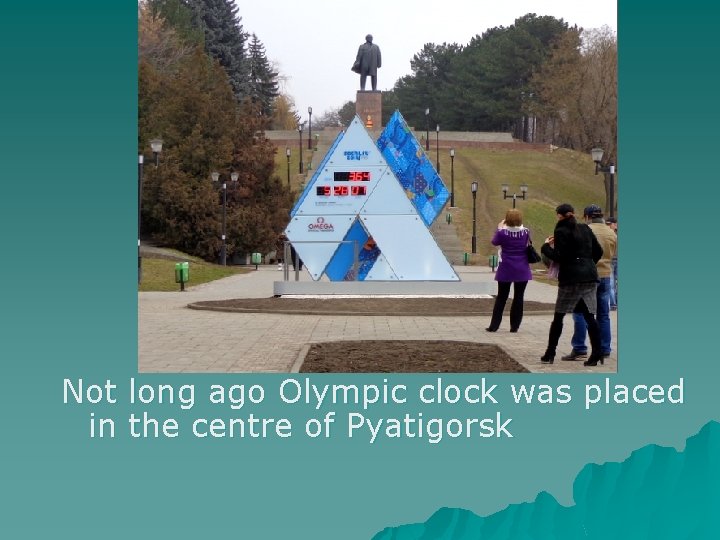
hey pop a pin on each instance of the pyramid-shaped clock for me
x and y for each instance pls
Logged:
(356, 221)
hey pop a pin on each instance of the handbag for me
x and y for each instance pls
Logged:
(553, 268)
(532, 255)
(553, 271)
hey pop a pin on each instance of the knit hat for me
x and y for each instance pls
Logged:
(564, 209)
(593, 211)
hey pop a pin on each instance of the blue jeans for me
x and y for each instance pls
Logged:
(603, 319)
(613, 284)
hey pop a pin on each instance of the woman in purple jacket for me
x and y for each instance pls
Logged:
(512, 238)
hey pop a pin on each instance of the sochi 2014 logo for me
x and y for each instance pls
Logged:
(356, 155)
(321, 226)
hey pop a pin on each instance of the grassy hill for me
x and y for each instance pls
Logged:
(552, 178)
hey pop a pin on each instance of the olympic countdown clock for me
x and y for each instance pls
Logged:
(355, 221)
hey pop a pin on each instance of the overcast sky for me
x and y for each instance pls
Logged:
(313, 43)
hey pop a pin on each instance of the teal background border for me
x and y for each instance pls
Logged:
(68, 196)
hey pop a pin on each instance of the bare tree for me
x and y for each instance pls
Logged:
(158, 43)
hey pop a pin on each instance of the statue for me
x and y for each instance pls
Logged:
(367, 61)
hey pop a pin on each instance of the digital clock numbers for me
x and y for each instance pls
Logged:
(355, 190)
(351, 176)
(340, 191)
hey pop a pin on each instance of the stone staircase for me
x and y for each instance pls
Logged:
(447, 240)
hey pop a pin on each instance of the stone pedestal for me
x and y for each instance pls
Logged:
(368, 103)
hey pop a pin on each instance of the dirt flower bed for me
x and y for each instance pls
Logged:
(408, 357)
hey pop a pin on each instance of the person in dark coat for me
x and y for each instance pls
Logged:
(367, 62)
(575, 249)
(514, 269)
(295, 258)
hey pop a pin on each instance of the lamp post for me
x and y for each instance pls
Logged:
(523, 191)
(309, 128)
(300, 126)
(452, 178)
(287, 154)
(156, 146)
(437, 146)
(597, 154)
(427, 129)
(473, 189)
(234, 177)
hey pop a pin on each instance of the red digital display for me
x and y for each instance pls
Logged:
(351, 176)
(340, 191)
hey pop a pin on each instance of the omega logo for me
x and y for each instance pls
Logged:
(320, 225)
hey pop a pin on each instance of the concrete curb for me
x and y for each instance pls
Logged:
(297, 364)
(337, 313)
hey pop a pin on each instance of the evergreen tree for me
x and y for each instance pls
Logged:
(347, 113)
(178, 17)
(224, 40)
(263, 80)
(193, 108)
(482, 86)
(429, 86)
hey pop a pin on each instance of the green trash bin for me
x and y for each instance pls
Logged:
(465, 258)
(493, 262)
(182, 274)
(256, 259)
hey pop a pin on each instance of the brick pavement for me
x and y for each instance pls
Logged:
(173, 338)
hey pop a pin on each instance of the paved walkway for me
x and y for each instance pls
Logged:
(173, 338)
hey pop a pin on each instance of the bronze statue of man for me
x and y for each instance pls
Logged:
(367, 62)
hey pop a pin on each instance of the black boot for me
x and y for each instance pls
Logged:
(594, 335)
(553, 337)
(593, 360)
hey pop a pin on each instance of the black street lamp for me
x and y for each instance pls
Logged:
(452, 178)
(523, 191)
(156, 146)
(287, 154)
(473, 189)
(437, 146)
(597, 154)
(300, 126)
(234, 177)
(309, 128)
(427, 129)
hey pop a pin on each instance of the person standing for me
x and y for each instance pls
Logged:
(514, 269)
(280, 249)
(593, 216)
(612, 223)
(576, 250)
(367, 62)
